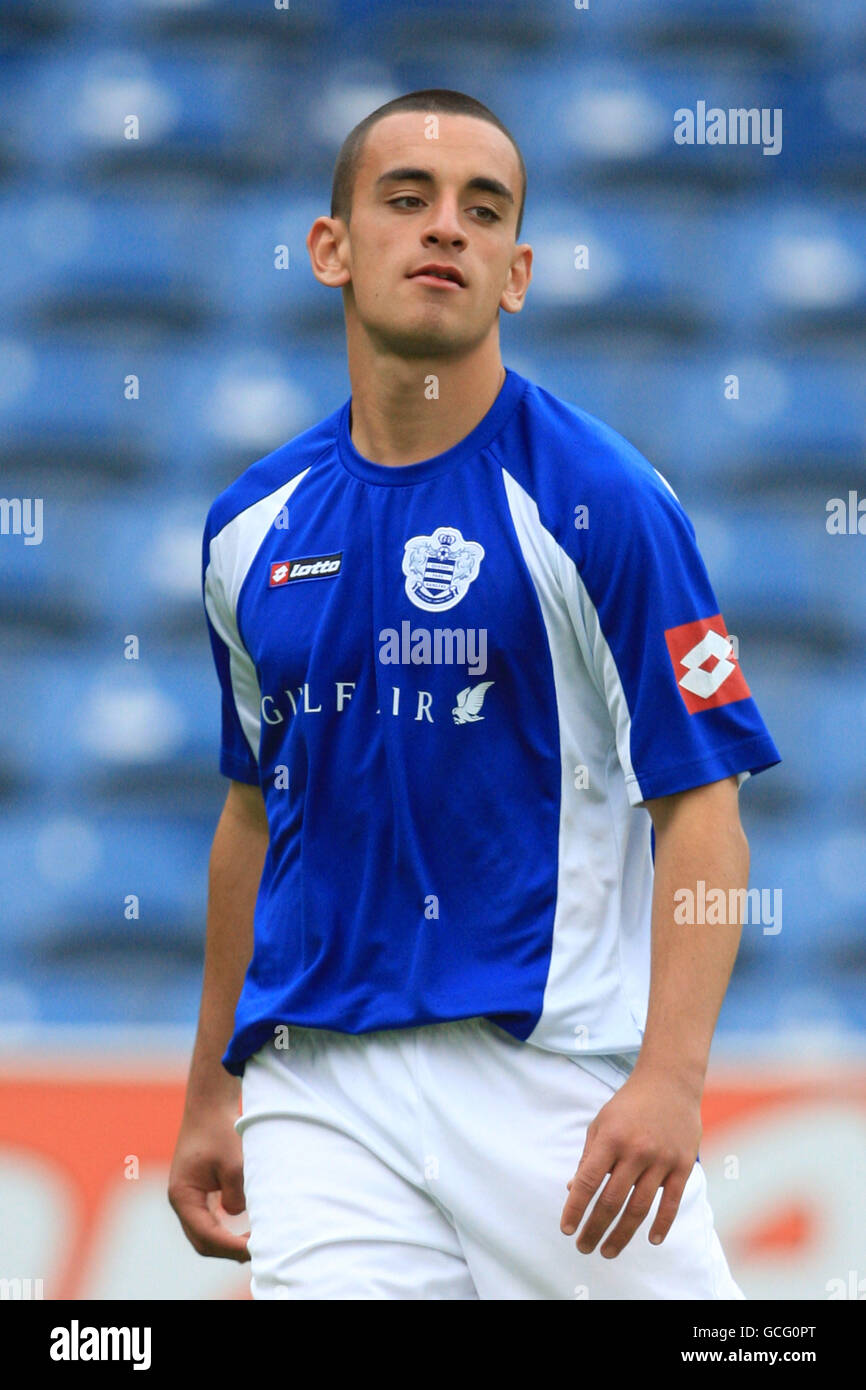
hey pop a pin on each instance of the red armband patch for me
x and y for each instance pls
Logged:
(707, 672)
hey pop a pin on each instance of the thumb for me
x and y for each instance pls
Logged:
(232, 1191)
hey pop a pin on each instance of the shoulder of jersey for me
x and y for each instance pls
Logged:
(582, 451)
(271, 471)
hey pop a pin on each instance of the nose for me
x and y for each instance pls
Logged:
(444, 227)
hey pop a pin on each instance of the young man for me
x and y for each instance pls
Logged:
(470, 658)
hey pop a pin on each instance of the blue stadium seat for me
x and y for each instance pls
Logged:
(234, 401)
(200, 120)
(819, 870)
(200, 418)
(67, 424)
(105, 268)
(770, 426)
(825, 126)
(109, 568)
(103, 986)
(744, 29)
(605, 122)
(162, 728)
(26, 29)
(245, 276)
(795, 272)
(605, 271)
(414, 32)
(69, 874)
(812, 1006)
(816, 713)
(791, 571)
(140, 732)
(284, 29)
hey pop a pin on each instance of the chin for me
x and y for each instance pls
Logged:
(426, 339)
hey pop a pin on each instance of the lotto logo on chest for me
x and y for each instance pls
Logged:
(310, 567)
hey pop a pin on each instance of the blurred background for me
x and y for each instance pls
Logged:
(155, 156)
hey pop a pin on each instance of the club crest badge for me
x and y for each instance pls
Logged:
(439, 568)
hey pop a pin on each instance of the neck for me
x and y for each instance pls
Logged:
(406, 410)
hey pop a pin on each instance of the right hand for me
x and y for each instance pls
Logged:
(208, 1158)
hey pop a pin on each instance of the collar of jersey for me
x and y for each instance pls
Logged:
(405, 474)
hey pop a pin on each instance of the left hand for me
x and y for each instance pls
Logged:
(645, 1137)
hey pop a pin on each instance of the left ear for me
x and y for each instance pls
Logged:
(518, 279)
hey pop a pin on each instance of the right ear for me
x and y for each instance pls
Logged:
(328, 245)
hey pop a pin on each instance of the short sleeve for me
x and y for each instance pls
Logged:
(235, 672)
(649, 624)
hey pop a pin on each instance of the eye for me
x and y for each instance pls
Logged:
(493, 216)
(403, 198)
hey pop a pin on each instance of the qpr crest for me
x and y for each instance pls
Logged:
(439, 568)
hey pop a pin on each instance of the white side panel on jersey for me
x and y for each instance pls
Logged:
(548, 561)
(232, 552)
(666, 483)
(604, 877)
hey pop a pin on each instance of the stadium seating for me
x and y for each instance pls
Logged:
(161, 329)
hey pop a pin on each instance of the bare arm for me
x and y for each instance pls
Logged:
(208, 1155)
(698, 836)
(647, 1135)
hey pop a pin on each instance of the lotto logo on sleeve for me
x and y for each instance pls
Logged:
(706, 671)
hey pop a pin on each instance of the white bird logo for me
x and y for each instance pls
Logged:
(469, 702)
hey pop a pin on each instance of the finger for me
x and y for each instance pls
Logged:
(204, 1231)
(232, 1190)
(607, 1206)
(637, 1209)
(591, 1173)
(669, 1205)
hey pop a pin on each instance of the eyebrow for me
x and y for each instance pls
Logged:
(481, 182)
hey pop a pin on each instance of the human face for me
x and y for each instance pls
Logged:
(449, 201)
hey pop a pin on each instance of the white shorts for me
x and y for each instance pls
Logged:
(431, 1163)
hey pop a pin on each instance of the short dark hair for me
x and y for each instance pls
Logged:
(437, 100)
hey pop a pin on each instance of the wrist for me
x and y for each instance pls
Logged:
(210, 1086)
(686, 1074)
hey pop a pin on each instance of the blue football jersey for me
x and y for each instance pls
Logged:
(456, 683)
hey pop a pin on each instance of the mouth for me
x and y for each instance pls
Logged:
(441, 276)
